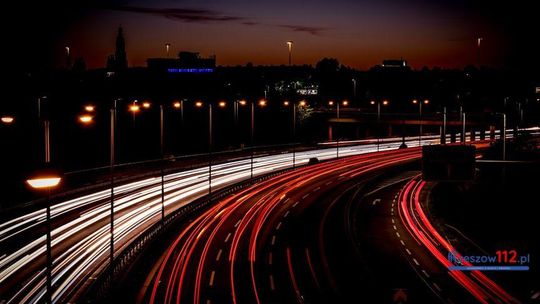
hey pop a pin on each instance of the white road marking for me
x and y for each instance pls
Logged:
(393, 221)
(402, 242)
(408, 251)
(270, 258)
(286, 213)
(219, 255)
(273, 239)
(294, 205)
(395, 228)
(328, 183)
(398, 235)
(437, 287)
(425, 273)
(306, 195)
(272, 286)
(316, 189)
(278, 226)
(228, 237)
(212, 278)
(416, 262)
(237, 223)
(375, 201)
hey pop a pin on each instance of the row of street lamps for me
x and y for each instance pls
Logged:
(47, 179)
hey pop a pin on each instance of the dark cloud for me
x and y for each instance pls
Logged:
(182, 14)
(313, 30)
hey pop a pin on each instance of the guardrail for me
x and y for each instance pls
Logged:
(99, 290)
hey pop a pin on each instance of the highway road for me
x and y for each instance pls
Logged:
(427, 252)
(80, 236)
(274, 242)
(291, 239)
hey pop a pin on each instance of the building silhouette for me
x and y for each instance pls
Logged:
(118, 61)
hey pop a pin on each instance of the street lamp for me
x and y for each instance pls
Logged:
(289, 45)
(89, 108)
(378, 103)
(199, 104)
(344, 103)
(134, 108)
(419, 103)
(86, 119)
(262, 103)
(301, 104)
(354, 89)
(7, 119)
(46, 179)
(146, 105)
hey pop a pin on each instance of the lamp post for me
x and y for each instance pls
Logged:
(46, 179)
(384, 103)
(463, 137)
(344, 103)
(286, 104)
(261, 103)
(199, 104)
(426, 102)
(443, 135)
(354, 89)
(289, 46)
(161, 152)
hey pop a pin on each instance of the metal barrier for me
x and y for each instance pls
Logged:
(100, 289)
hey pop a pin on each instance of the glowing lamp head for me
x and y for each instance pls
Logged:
(286, 103)
(44, 178)
(177, 104)
(7, 119)
(426, 101)
(331, 103)
(415, 101)
(134, 108)
(262, 102)
(89, 108)
(86, 119)
(345, 102)
(385, 102)
(146, 105)
(222, 104)
(198, 104)
(44, 182)
(302, 103)
(372, 102)
(242, 102)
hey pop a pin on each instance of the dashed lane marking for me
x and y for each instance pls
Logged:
(212, 278)
(272, 286)
(219, 254)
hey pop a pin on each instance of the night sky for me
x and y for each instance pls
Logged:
(359, 33)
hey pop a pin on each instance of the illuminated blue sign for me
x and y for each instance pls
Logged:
(191, 70)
